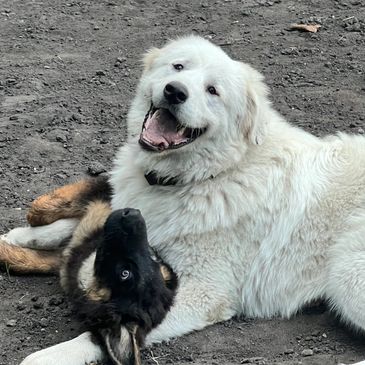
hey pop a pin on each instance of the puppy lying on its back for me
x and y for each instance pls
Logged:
(119, 289)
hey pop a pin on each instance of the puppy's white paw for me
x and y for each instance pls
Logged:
(20, 236)
(50, 236)
(78, 351)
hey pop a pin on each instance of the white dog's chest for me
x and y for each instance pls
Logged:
(262, 237)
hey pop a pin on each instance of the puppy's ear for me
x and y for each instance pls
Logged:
(149, 57)
(122, 347)
(256, 101)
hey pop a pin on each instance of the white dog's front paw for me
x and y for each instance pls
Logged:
(78, 351)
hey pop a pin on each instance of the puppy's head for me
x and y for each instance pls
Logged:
(194, 99)
(120, 291)
(122, 257)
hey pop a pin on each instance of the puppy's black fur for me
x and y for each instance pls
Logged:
(135, 297)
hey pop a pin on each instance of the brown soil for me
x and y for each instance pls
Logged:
(68, 70)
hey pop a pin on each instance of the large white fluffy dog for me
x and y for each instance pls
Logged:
(254, 215)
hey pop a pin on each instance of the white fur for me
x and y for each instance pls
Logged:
(48, 237)
(86, 273)
(265, 217)
(78, 351)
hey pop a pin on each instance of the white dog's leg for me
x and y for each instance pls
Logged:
(346, 275)
(78, 351)
(194, 308)
(46, 237)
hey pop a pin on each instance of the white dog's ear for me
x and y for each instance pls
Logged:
(256, 101)
(149, 57)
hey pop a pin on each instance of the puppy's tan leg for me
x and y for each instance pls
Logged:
(25, 260)
(69, 201)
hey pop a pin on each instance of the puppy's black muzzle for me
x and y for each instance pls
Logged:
(125, 221)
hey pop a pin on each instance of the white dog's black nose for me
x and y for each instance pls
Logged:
(175, 92)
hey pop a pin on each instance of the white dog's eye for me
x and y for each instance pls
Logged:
(178, 66)
(212, 90)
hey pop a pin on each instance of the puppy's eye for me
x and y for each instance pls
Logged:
(178, 66)
(212, 90)
(125, 275)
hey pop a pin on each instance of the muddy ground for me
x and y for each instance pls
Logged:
(68, 70)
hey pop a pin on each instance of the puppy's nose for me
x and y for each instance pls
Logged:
(130, 212)
(175, 92)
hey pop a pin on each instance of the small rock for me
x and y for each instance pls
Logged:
(61, 138)
(11, 323)
(100, 73)
(289, 351)
(95, 169)
(13, 117)
(20, 306)
(56, 301)
(44, 322)
(251, 360)
(38, 305)
(307, 352)
(360, 130)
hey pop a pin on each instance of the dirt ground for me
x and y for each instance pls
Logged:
(68, 70)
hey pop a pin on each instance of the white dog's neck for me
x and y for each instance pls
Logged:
(181, 168)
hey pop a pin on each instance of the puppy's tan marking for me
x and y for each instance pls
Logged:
(63, 202)
(25, 260)
(97, 293)
(165, 272)
(96, 214)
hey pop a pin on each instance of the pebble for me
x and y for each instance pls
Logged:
(61, 138)
(307, 352)
(289, 351)
(38, 305)
(251, 360)
(56, 301)
(96, 168)
(44, 322)
(11, 323)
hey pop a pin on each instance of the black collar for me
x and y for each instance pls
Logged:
(153, 179)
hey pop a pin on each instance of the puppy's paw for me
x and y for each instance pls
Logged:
(21, 236)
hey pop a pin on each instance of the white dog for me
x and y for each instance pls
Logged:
(254, 215)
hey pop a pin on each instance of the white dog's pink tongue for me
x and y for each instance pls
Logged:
(160, 130)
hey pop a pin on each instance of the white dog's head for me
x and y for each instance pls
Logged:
(196, 106)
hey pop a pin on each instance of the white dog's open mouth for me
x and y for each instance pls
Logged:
(162, 131)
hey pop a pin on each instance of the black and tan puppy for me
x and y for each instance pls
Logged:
(119, 289)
